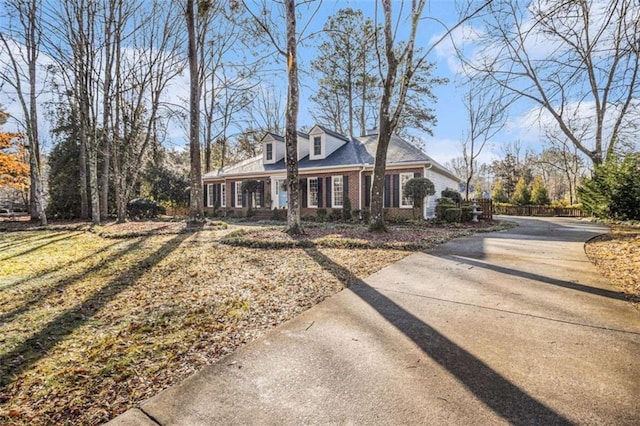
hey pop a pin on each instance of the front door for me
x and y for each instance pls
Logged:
(281, 191)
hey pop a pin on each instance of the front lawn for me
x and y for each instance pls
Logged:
(93, 320)
(617, 256)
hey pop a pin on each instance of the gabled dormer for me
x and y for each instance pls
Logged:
(272, 148)
(303, 145)
(323, 142)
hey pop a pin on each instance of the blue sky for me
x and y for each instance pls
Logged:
(447, 135)
(445, 143)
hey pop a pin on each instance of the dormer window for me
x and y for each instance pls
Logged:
(269, 153)
(317, 146)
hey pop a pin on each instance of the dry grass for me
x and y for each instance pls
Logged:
(95, 320)
(617, 256)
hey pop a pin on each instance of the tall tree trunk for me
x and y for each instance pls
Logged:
(196, 210)
(106, 109)
(291, 119)
(386, 129)
(363, 106)
(37, 196)
(82, 160)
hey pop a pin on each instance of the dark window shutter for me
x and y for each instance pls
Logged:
(261, 193)
(244, 198)
(206, 194)
(329, 192)
(417, 175)
(396, 190)
(219, 193)
(345, 184)
(303, 190)
(387, 190)
(367, 190)
(233, 194)
(320, 193)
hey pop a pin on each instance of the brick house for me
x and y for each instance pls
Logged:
(331, 166)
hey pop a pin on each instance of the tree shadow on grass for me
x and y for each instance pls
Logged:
(58, 329)
(502, 396)
(30, 239)
(41, 293)
(64, 236)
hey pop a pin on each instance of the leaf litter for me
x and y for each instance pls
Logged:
(94, 321)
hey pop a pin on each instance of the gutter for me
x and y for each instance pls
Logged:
(360, 189)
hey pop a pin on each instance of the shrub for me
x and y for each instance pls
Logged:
(614, 189)
(143, 208)
(355, 214)
(417, 189)
(466, 213)
(453, 195)
(397, 219)
(322, 214)
(452, 215)
(444, 203)
(277, 214)
(335, 215)
(366, 215)
(346, 208)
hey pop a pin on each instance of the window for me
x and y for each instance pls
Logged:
(338, 191)
(239, 193)
(223, 194)
(210, 195)
(312, 190)
(317, 146)
(405, 202)
(269, 152)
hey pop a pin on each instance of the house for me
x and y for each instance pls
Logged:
(331, 166)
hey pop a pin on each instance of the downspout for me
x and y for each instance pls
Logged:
(224, 182)
(424, 205)
(360, 191)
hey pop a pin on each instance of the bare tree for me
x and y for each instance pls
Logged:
(486, 116)
(21, 48)
(397, 71)
(389, 115)
(291, 122)
(155, 59)
(196, 204)
(266, 27)
(563, 157)
(577, 61)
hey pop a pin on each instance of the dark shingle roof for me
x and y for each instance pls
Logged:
(356, 152)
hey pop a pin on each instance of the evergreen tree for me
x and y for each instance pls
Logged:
(498, 194)
(64, 180)
(521, 195)
(539, 194)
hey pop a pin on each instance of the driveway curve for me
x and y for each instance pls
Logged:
(513, 327)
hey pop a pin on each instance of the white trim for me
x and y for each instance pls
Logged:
(402, 204)
(266, 152)
(335, 205)
(312, 144)
(209, 194)
(223, 194)
(238, 192)
(318, 170)
(309, 205)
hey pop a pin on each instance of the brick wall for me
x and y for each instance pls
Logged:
(355, 188)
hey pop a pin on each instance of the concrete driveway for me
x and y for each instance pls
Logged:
(510, 327)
